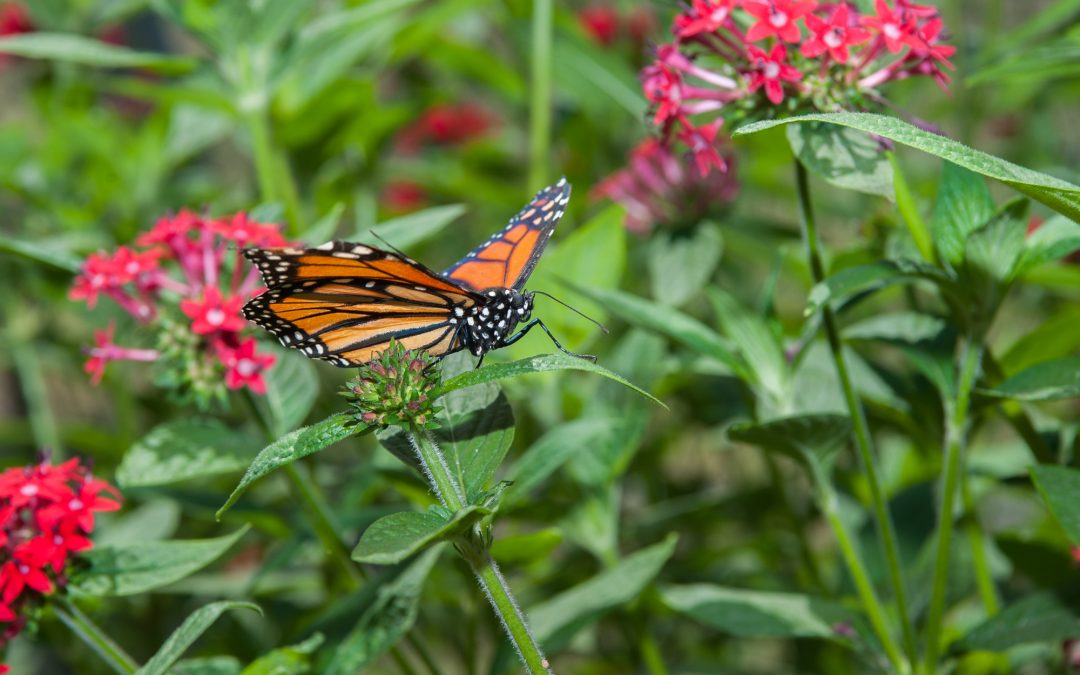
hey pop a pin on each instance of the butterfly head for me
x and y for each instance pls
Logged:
(488, 323)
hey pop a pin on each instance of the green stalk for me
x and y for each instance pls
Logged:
(95, 638)
(540, 103)
(955, 436)
(474, 549)
(322, 521)
(909, 211)
(276, 182)
(863, 442)
(870, 602)
(984, 580)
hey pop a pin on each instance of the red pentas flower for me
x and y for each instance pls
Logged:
(46, 517)
(189, 281)
(244, 367)
(717, 69)
(446, 124)
(601, 22)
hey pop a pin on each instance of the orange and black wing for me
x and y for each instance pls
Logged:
(344, 302)
(507, 259)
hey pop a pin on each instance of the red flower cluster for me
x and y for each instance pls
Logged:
(659, 187)
(14, 19)
(206, 253)
(606, 25)
(825, 55)
(46, 515)
(446, 124)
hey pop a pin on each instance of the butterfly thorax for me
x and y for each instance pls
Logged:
(485, 325)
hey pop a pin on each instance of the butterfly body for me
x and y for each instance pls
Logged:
(343, 302)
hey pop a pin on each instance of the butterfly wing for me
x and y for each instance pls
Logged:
(507, 259)
(344, 302)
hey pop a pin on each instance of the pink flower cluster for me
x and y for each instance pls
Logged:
(46, 516)
(194, 264)
(658, 186)
(749, 56)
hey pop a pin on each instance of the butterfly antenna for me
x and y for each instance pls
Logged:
(390, 246)
(575, 311)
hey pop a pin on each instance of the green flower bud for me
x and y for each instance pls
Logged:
(394, 388)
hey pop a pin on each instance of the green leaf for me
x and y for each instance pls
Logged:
(1040, 617)
(391, 539)
(908, 327)
(1062, 196)
(1055, 337)
(183, 637)
(756, 613)
(681, 264)
(323, 230)
(963, 205)
(555, 621)
(152, 521)
(811, 440)
(86, 51)
(1059, 487)
(292, 660)
(128, 569)
(526, 548)
(46, 253)
(1049, 380)
(291, 447)
(843, 157)
(551, 451)
(185, 449)
(594, 75)
(210, 665)
(411, 229)
(1058, 59)
(666, 321)
(536, 364)
(759, 347)
(386, 620)
(862, 278)
(292, 386)
(992, 251)
(1053, 240)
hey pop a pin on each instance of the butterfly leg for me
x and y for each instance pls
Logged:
(537, 322)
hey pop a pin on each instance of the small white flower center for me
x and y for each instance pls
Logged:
(76, 504)
(97, 281)
(246, 367)
(718, 15)
(24, 569)
(57, 539)
(778, 19)
(772, 71)
(891, 30)
(132, 267)
(215, 317)
(241, 234)
(834, 38)
(29, 490)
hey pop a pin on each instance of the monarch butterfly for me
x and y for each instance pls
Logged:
(343, 302)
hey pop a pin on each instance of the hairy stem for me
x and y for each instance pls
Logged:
(955, 438)
(863, 440)
(95, 638)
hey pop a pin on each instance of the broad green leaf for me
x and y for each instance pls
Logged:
(1060, 487)
(1040, 617)
(555, 621)
(185, 449)
(536, 364)
(291, 447)
(71, 48)
(1049, 380)
(152, 521)
(551, 451)
(991, 251)
(46, 253)
(292, 660)
(843, 157)
(1053, 240)
(391, 539)
(129, 569)
(210, 665)
(526, 548)
(681, 264)
(411, 229)
(759, 347)
(909, 327)
(183, 637)
(862, 278)
(812, 440)
(386, 620)
(476, 429)
(757, 613)
(1055, 337)
(666, 321)
(1062, 196)
(323, 230)
(963, 205)
(292, 386)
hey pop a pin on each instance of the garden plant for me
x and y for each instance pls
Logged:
(776, 372)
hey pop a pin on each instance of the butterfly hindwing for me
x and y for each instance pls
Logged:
(507, 259)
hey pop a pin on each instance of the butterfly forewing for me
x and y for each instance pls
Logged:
(507, 259)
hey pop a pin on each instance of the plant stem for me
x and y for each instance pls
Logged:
(909, 211)
(540, 103)
(863, 441)
(322, 521)
(955, 436)
(474, 548)
(983, 578)
(276, 183)
(94, 637)
(871, 604)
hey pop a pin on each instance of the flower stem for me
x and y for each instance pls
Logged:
(322, 521)
(474, 548)
(863, 441)
(909, 211)
(955, 436)
(983, 578)
(95, 638)
(276, 183)
(540, 102)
